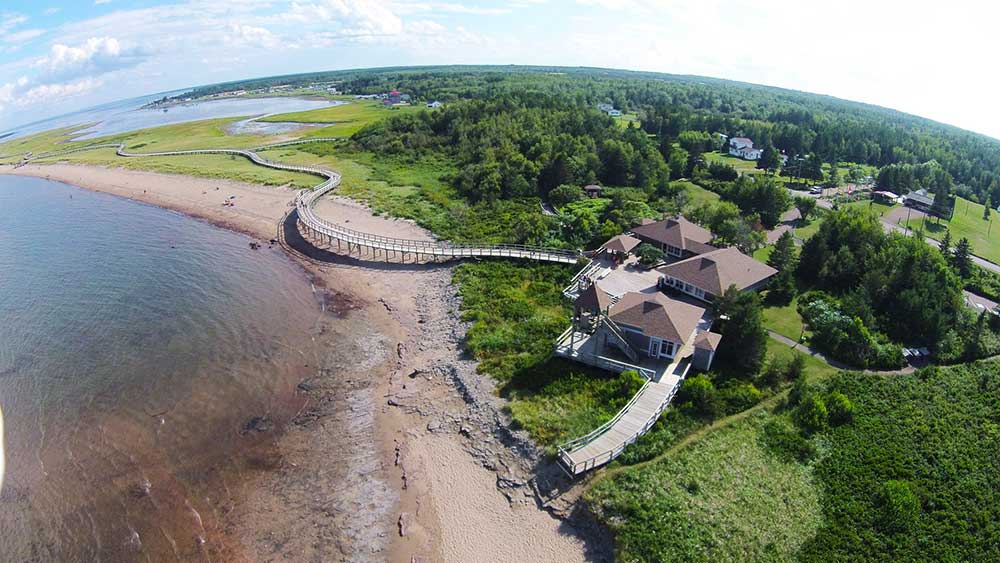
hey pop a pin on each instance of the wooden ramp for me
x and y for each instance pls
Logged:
(609, 440)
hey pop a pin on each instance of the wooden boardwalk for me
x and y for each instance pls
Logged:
(348, 239)
(610, 439)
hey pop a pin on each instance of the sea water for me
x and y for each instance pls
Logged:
(140, 350)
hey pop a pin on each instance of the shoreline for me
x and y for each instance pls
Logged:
(460, 480)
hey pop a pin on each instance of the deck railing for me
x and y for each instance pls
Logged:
(576, 467)
(305, 200)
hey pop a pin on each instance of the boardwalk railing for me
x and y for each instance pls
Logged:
(576, 467)
(316, 226)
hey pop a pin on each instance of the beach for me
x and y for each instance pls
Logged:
(403, 455)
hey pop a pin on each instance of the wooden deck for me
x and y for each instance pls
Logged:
(348, 239)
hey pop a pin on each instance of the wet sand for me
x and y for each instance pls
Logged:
(427, 469)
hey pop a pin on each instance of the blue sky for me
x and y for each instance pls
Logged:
(929, 58)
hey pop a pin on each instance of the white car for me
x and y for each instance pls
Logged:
(816, 190)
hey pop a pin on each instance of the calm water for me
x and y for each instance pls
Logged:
(126, 115)
(137, 347)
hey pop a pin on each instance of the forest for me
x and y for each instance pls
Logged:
(667, 105)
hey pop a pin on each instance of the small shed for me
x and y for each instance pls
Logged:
(705, 345)
(593, 190)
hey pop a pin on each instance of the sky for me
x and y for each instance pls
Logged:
(933, 59)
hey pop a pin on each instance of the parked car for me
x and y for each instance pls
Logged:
(816, 190)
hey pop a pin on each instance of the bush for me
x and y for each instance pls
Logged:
(899, 506)
(739, 397)
(565, 193)
(649, 254)
(839, 407)
(811, 414)
(699, 393)
(846, 338)
(784, 442)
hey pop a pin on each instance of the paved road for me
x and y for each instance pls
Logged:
(890, 227)
(981, 262)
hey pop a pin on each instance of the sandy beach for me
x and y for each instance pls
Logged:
(429, 470)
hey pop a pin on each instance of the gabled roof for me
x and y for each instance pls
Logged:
(741, 141)
(707, 341)
(715, 271)
(622, 243)
(657, 315)
(592, 299)
(677, 232)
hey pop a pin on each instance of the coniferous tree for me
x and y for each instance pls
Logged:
(962, 258)
(783, 258)
(744, 339)
(986, 209)
(945, 244)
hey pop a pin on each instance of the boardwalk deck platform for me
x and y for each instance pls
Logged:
(331, 233)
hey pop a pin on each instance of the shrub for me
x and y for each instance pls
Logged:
(774, 372)
(899, 506)
(739, 397)
(811, 414)
(839, 407)
(698, 392)
(649, 254)
(784, 442)
(565, 193)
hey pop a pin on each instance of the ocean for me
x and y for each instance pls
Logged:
(143, 354)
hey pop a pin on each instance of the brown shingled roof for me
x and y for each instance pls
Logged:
(622, 243)
(715, 271)
(592, 299)
(657, 315)
(707, 341)
(677, 232)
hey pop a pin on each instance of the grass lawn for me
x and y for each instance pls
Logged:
(763, 253)
(624, 119)
(741, 166)
(784, 319)
(726, 497)
(879, 208)
(806, 231)
(816, 369)
(345, 119)
(967, 222)
(697, 194)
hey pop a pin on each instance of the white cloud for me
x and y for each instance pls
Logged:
(10, 21)
(251, 36)
(99, 2)
(51, 92)
(51, 11)
(97, 55)
(21, 36)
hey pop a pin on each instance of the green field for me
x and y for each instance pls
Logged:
(967, 222)
(741, 166)
(785, 320)
(934, 435)
(697, 194)
(724, 498)
(626, 118)
(345, 119)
